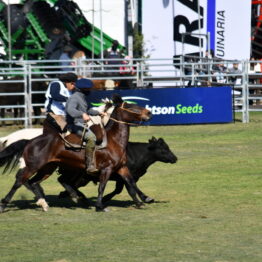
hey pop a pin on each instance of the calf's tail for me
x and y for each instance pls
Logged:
(9, 157)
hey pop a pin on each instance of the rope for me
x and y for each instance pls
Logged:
(122, 122)
(74, 146)
(125, 109)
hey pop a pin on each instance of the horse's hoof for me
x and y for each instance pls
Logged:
(139, 205)
(102, 209)
(42, 203)
(75, 199)
(149, 200)
(45, 208)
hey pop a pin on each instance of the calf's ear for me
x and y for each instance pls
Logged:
(161, 140)
(151, 146)
(153, 139)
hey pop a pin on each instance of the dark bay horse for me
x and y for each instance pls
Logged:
(46, 152)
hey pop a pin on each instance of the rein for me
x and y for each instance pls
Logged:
(79, 147)
(123, 122)
(74, 146)
(125, 109)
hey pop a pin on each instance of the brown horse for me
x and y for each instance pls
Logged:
(46, 152)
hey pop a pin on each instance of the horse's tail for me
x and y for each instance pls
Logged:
(9, 157)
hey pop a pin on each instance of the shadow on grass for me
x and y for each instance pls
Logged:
(52, 200)
(55, 201)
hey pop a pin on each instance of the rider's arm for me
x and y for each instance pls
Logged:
(55, 92)
(85, 117)
(72, 108)
(92, 112)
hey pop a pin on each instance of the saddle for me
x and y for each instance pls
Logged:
(58, 122)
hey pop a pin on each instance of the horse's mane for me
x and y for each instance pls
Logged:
(116, 102)
(110, 123)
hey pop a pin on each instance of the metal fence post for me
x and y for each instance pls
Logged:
(25, 71)
(193, 76)
(140, 74)
(181, 70)
(245, 111)
(29, 95)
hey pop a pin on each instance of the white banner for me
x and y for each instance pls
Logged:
(232, 29)
(157, 24)
(177, 27)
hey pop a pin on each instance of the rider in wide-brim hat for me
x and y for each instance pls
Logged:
(78, 113)
(58, 92)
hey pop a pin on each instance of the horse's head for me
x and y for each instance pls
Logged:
(130, 112)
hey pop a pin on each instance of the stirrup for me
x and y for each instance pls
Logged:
(92, 170)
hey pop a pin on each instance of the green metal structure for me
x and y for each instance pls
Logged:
(39, 29)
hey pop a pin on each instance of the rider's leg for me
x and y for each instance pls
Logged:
(90, 152)
(93, 137)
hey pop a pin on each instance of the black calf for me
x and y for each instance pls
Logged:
(139, 157)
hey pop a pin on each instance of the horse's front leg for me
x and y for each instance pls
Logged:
(104, 176)
(132, 187)
(142, 196)
(118, 189)
(76, 195)
(39, 195)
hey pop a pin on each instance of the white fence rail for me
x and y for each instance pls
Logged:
(23, 81)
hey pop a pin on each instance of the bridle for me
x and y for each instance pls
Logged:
(127, 110)
(79, 147)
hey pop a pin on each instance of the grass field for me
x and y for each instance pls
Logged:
(208, 206)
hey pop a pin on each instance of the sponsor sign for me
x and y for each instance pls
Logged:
(171, 106)
(226, 21)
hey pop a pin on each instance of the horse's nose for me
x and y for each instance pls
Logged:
(146, 115)
(149, 114)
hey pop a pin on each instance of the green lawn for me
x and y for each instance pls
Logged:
(208, 206)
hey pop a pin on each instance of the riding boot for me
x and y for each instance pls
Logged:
(90, 157)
